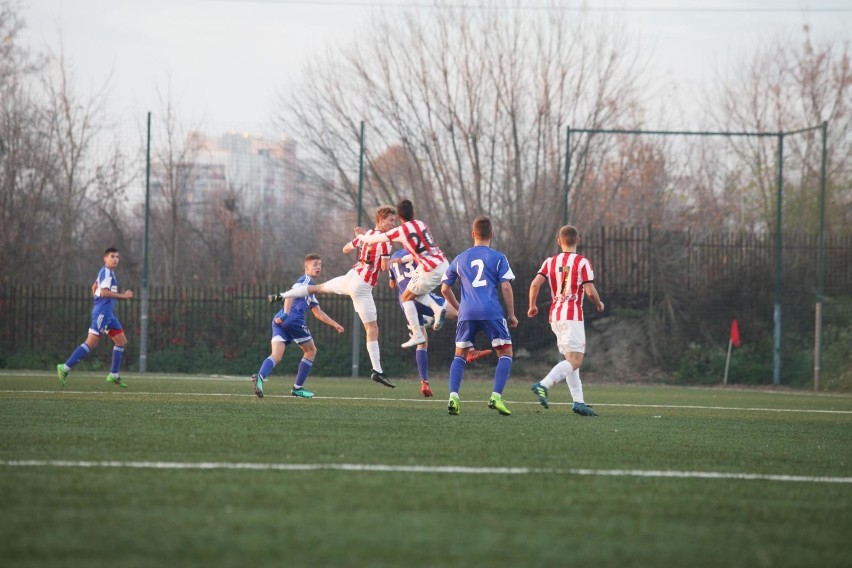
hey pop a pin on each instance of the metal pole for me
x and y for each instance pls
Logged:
(356, 320)
(143, 316)
(567, 172)
(820, 260)
(776, 359)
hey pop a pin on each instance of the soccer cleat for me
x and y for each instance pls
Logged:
(63, 374)
(439, 319)
(424, 389)
(541, 393)
(257, 382)
(116, 380)
(417, 338)
(496, 403)
(274, 298)
(583, 409)
(453, 406)
(381, 378)
(474, 355)
(301, 392)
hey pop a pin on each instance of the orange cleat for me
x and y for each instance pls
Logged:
(424, 389)
(474, 355)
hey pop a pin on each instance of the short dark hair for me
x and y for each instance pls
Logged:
(405, 210)
(569, 234)
(110, 250)
(312, 256)
(482, 227)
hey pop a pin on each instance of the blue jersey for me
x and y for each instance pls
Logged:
(401, 273)
(106, 279)
(300, 306)
(481, 270)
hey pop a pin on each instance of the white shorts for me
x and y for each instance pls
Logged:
(351, 284)
(424, 282)
(570, 336)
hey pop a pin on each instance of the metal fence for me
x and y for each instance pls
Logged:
(679, 289)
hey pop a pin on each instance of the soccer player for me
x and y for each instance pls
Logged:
(358, 284)
(481, 271)
(288, 326)
(571, 278)
(105, 291)
(417, 239)
(402, 268)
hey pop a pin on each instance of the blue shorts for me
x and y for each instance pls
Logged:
(105, 323)
(496, 330)
(289, 332)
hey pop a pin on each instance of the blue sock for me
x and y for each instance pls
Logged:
(266, 368)
(457, 373)
(422, 357)
(78, 355)
(501, 373)
(117, 356)
(304, 368)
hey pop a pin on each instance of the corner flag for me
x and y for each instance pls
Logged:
(735, 334)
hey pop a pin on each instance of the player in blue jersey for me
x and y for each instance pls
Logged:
(105, 291)
(402, 268)
(482, 271)
(288, 326)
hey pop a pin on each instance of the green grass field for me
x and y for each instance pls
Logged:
(196, 471)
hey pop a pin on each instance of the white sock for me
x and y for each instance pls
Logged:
(428, 301)
(410, 310)
(297, 291)
(557, 374)
(575, 386)
(375, 359)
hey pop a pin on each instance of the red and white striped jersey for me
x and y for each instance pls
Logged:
(566, 273)
(370, 258)
(417, 239)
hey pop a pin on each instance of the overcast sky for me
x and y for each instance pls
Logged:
(227, 59)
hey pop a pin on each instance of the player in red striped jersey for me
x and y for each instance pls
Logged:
(358, 284)
(417, 239)
(570, 277)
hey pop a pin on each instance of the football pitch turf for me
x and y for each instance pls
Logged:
(197, 471)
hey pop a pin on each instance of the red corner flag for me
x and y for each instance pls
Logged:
(735, 334)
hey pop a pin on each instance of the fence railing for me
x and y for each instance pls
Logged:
(704, 279)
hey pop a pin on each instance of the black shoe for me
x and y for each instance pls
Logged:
(381, 378)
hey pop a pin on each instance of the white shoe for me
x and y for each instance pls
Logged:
(440, 316)
(416, 338)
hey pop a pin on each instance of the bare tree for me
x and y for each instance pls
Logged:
(789, 85)
(173, 170)
(25, 150)
(474, 105)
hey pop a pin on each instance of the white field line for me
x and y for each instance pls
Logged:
(437, 399)
(424, 469)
